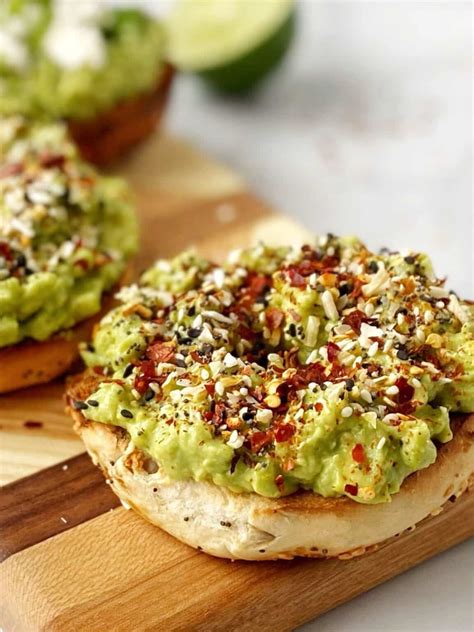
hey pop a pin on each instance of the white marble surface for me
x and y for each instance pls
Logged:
(367, 129)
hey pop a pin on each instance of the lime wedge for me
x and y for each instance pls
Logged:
(233, 44)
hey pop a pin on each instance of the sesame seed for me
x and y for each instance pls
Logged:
(126, 413)
(346, 411)
(79, 405)
(365, 394)
(235, 440)
(428, 317)
(373, 349)
(369, 309)
(420, 335)
(381, 443)
(392, 390)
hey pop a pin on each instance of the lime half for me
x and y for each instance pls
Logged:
(233, 44)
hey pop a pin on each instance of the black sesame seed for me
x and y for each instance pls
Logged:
(126, 413)
(247, 416)
(79, 405)
(345, 288)
(93, 402)
(261, 550)
(349, 384)
(21, 260)
(194, 332)
(180, 363)
(128, 370)
(186, 518)
(149, 394)
(292, 329)
(192, 310)
(402, 354)
(409, 259)
(225, 523)
(373, 266)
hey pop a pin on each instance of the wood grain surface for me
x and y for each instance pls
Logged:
(117, 572)
(74, 561)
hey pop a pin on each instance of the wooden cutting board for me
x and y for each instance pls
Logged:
(74, 560)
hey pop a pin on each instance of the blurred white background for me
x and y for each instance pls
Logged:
(366, 129)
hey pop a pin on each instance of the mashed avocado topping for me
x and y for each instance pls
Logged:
(55, 53)
(328, 368)
(65, 232)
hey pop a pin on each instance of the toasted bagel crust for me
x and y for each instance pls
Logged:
(113, 133)
(37, 362)
(252, 527)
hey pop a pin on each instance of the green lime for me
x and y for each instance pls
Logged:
(232, 44)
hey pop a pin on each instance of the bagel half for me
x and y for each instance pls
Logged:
(33, 362)
(113, 133)
(252, 527)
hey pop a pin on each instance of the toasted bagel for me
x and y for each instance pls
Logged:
(252, 527)
(109, 135)
(33, 362)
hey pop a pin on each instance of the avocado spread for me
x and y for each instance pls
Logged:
(65, 232)
(328, 368)
(54, 54)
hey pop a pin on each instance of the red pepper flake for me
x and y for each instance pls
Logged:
(280, 482)
(355, 320)
(259, 439)
(296, 317)
(32, 424)
(358, 453)
(274, 317)
(246, 333)
(161, 352)
(284, 432)
(333, 351)
(11, 170)
(258, 283)
(6, 251)
(52, 160)
(219, 414)
(296, 278)
(210, 388)
(357, 289)
(405, 390)
(82, 263)
(145, 375)
(353, 490)
(197, 357)
(318, 407)
(313, 372)
(288, 465)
